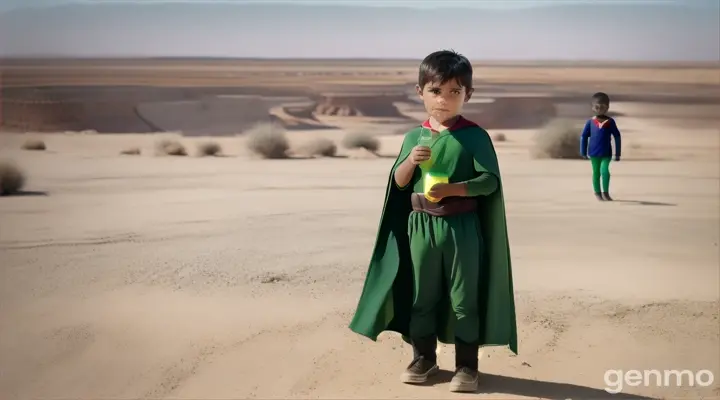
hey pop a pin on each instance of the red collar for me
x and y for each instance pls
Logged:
(461, 123)
(601, 124)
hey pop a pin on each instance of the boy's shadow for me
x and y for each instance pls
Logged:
(506, 385)
(645, 203)
(26, 193)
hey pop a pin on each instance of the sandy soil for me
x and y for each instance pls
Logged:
(235, 277)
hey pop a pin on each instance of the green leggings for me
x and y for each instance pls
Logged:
(445, 250)
(600, 168)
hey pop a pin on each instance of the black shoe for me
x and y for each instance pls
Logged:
(466, 367)
(606, 196)
(419, 370)
(599, 196)
(465, 380)
(424, 363)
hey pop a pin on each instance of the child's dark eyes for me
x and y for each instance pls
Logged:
(437, 91)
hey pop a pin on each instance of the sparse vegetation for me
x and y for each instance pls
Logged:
(131, 151)
(268, 140)
(359, 140)
(322, 147)
(169, 147)
(274, 278)
(499, 137)
(34, 144)
(209, 149)
(12, 178)
(560, 139)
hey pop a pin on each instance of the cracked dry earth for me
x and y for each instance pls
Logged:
(236, 278)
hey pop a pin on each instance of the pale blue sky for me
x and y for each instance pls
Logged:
(611, 30)
(501, 4)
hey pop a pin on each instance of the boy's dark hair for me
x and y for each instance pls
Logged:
(445, 65)
(601, 98)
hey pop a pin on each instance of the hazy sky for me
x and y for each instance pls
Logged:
(10, 4)
(486, 29)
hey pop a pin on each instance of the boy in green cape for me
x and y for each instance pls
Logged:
(440, 268)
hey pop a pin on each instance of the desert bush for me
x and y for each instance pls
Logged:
(12, 179)
(358, 140)
(209, 149)
(169, 147)
(560, 138)
(268, 140)
(319, 147)
(499, 137)
(34, 144)
(274, 278)
(131, 151)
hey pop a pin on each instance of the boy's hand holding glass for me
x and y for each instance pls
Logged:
(420, 154)
(440, 191)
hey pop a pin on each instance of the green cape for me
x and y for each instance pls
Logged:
(386, 299)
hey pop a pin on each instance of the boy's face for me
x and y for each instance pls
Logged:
(600, 108)
(444, 101)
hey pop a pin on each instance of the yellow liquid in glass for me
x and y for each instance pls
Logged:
(429, 180)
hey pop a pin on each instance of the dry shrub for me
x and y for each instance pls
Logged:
(274, 278)
(169, 147)
(34, 144)
(560, 138)
(360, 140)
(12, 179)
(131, 151)
(322, 147)
(499, 137)
(209, 149)
(268, 140)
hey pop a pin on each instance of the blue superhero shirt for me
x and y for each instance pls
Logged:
(595, 139)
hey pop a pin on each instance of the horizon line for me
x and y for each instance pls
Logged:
(383, 59)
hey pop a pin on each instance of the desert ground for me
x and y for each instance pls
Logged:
(150, 276)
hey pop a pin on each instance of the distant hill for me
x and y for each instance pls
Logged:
(602, 31)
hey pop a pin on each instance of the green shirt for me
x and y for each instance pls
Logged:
(451, 159)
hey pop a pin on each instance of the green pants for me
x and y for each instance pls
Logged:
(600, 169)
(445, 251)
